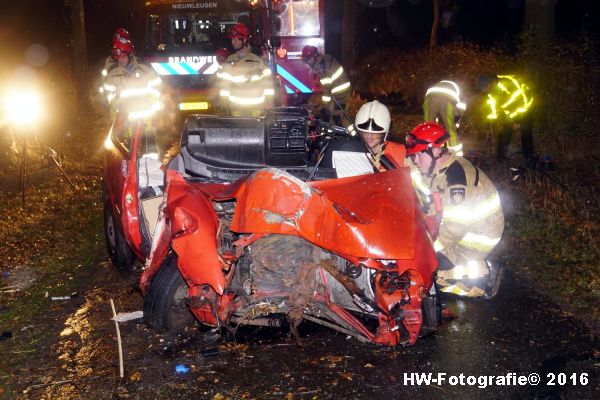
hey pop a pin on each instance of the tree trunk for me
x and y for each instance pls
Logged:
(349, 33)
(435, 24)
(77, 16)
(539, 22)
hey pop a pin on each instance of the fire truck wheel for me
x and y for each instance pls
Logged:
(119, 252)
(165, 304)
(431, 308)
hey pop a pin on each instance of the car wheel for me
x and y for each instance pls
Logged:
(165, 304)
(119, 251)
(431, 308)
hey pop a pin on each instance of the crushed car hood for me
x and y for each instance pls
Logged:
(370, 216)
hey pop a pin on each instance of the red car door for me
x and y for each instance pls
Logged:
(121, 180)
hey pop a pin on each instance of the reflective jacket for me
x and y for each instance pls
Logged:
(333, 78)
(471, 206)
(509, 98)
(472, 219)
(246, 83)
(442, 105)
(135, 89)
(109, 64)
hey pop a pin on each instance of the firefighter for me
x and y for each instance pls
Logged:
(443, 106)
(246, 85)
(373, 121)
(131, 85)
(334, 81)
(466, 208)
(508, 103)
(120, 35)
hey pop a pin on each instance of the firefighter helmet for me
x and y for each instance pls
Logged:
(424, 137)
(309, 51)
(222, 54)
(121, 47)
(239, 31)
(373, 117)
(120, 33)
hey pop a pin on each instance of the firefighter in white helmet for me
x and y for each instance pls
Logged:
(443, 106)
(467, 208)
(373, 121)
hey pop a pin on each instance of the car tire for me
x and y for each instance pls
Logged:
(165, 304)
(431, 308)
(119, 251)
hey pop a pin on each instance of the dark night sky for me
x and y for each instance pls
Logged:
(405, 24)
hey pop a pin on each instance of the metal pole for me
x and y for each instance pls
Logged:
(23, 170)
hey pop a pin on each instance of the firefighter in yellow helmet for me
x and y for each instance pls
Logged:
(468, 212)
(335, 83)
(246, 82)
(508, 102)
(443, 106)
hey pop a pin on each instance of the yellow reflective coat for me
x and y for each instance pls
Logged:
(509, 98)
(334, 80)
(245, 83)
(135, 88)
(472, 220)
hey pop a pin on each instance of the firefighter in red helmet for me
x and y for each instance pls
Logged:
(467, 209)
(130, 83)
(121, 35)
(246, 82)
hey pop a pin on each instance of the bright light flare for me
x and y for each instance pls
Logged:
(22, 107)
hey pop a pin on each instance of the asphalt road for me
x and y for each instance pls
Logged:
(517, 334)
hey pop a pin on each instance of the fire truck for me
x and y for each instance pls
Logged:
(182, 38)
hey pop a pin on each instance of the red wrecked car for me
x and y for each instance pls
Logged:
(249, 229)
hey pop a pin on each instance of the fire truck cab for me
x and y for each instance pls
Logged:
(182, 38)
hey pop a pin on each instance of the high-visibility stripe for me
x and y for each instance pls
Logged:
(154, 82)
(479, 242)
(417, 180)
(468, 214)
(337, 74)
(141, 114)
(445, 91)
(246, 101)
(340, 88)
(292, 79)
(164, 69)
(212, 68)
(456, 148)
(203, 68)
(454, 290)
(138, 92)
(189, 69)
